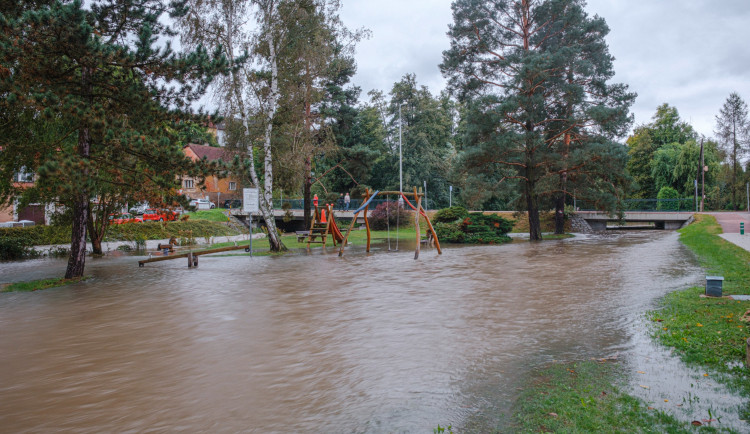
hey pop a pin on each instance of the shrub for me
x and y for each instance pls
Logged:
(390, 214)
(12, 248)
(448, 215)
(664, 196)
(472, 228)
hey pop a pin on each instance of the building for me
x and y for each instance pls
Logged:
(38, 213)
(215, 189)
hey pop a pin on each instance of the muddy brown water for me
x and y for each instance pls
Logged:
(317, 343)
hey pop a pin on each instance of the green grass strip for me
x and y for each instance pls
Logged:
(583, 398)
(708, 332)
(37, 285)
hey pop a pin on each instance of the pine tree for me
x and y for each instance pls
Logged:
(533, 74)
(733, 131)
(115, 99)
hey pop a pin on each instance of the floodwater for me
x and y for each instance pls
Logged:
(316, 343)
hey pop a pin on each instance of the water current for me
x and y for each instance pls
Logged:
(367, 343)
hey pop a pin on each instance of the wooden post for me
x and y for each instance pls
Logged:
(434, 235)
(346, 237)
(416, 224)
(190, 260)
(367, 222)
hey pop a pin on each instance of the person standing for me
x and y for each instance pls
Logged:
(347, 200)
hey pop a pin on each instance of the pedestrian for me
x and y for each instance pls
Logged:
(315, 200)
(347, 200)
(341, 201)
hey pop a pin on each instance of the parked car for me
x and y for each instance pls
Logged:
(118, 219)
(232, 203)
(138, 209)
(160, 215)
(202, 204)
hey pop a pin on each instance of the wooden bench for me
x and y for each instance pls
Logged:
(301, 235)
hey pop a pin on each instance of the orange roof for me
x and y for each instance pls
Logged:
(211, 153)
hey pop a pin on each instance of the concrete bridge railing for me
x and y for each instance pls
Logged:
(661, 219)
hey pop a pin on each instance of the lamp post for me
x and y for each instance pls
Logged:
(400, 158)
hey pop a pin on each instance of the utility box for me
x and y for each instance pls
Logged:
(713, 286)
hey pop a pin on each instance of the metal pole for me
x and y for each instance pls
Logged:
(400, 159)
(703, 178)
(450, 196)
(748, 196)
(251, 235)
(425, 195)
(695, 183)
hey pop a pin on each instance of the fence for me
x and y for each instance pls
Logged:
(684, 204)
(298, 204)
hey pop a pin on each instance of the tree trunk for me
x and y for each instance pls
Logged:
(560, 212)
(77, 258)
(94, 235)
(532, 205)
(307, 192)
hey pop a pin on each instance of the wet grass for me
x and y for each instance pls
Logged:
(584, 397)
(37, 285)
(708, 331)
(213, 215)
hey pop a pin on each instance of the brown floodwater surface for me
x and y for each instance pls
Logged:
(317, 343)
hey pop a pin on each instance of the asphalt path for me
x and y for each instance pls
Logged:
(730, 225)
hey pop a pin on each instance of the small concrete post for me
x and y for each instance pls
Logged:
(742, 228)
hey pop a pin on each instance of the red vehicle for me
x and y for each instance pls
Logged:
(118, 219)
(159, 215)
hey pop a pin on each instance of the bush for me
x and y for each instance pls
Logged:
(12, 248)
(390, 214)
(449, 215)
(472, 228)
(668, 199)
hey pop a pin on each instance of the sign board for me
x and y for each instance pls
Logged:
(251, 200)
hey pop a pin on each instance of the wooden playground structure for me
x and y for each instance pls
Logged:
(405, 196)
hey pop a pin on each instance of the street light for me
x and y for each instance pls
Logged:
(400, 158)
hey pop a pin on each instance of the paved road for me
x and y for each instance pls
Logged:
(730, 224)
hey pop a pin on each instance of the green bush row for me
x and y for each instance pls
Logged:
(42, 235)
(456, 225)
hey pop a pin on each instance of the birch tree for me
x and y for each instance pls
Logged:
(251, 33)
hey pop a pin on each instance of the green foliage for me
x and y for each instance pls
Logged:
(707, 331)
(390, 214)
(664, 195)
(472, 228)
(15, 247)
(449, 215)
(44, 235)
(541, 115)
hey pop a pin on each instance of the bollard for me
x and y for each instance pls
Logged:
(190, 260)
(742, 228)
(195, 261)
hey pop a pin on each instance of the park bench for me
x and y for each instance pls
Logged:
(301, 235)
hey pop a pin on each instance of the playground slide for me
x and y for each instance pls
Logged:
(336, 232)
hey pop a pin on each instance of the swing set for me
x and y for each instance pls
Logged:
(402, 195)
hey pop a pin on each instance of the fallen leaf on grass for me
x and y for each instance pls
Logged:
(645, 387)
(651, 408)
(696, 423)
(641, 372)
(553, 414)
(705, 375)
(666, 400)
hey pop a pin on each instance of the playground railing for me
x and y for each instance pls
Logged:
(682, 204)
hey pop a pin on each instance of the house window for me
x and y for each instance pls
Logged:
(232, 186)
(188, 183)
(24, 175)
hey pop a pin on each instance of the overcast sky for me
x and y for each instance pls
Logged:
(688, 53)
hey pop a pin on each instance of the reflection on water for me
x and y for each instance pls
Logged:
(318, 343)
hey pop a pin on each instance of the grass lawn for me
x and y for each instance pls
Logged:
(36, 285)
(708, 331)
(584, 397)
(213, 215)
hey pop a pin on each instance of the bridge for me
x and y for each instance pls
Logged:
(669, 220)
